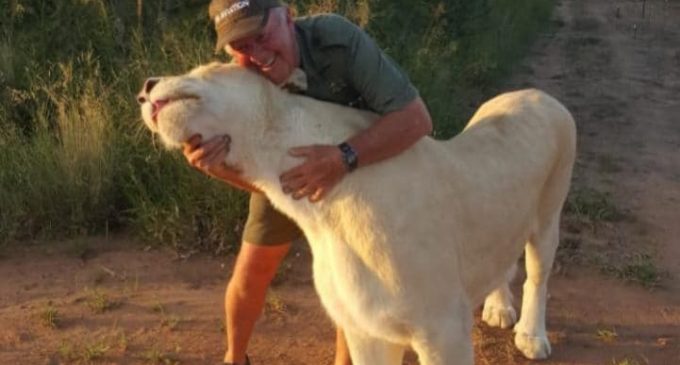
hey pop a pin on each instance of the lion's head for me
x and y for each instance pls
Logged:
(203, 101)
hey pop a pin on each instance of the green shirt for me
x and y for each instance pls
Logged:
(344, 65)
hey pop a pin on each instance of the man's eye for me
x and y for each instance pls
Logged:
(240, 48)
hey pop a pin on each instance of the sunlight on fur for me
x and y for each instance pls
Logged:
(405, 249)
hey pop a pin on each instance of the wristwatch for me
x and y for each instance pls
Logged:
(349, 156)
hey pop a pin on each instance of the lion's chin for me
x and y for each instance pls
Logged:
(173, 122)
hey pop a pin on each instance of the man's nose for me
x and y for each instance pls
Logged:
(146, 89)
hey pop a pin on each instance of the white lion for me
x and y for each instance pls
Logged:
(406, 248)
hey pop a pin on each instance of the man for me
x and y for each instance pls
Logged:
(329, 59)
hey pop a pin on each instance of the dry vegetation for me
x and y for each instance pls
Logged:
(75, 161)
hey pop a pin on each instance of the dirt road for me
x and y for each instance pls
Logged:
(616, 65)
(615, 294)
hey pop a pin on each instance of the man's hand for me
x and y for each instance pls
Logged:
(322, 170)
(209, 158)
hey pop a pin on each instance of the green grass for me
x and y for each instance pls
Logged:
(637, 268)
(592, 205)
(83, 353)
(66, 351)
(99, 302)
(606, 335)
(274, 304)
(627, 361)
(50, 317)
(171, 322)
(75, 159)
(157, 356)
(94, 351)
(122, 341)
(80, 248)
(168, 320)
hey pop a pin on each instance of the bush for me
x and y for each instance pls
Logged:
(74, 158)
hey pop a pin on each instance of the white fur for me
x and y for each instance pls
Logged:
(403, 249)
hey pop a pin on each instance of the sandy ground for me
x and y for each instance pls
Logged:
(614, 296)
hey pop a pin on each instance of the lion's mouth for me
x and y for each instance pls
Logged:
(160, 104)
(156, 108)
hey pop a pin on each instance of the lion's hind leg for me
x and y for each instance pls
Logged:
(530, 333)
(366, 350)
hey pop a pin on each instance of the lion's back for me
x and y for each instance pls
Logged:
(532, 104)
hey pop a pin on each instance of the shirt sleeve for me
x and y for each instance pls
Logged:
(382, 84)
(374, 75)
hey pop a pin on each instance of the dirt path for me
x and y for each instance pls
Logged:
(619, 74)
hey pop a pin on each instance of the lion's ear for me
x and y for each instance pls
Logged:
(215, 64)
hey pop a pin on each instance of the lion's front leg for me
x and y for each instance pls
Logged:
(447, 339)
(366, 350)
(498, 310)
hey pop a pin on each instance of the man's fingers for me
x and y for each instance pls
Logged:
(209, 162)
(293, 185)
(318, 195)
(195, 156)
(208, 152)
(192, 143)
(292, 174)
(301, 193)
(215, 155)
(215, 142)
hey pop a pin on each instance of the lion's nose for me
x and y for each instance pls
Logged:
(150, 83)
(146, 89)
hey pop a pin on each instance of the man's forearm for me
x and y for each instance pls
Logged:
(325, 165)
(233, 178)
(392, 133)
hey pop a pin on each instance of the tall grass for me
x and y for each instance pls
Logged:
(75, 159)
(63, 169)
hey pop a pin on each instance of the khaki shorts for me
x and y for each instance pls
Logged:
(266, 226)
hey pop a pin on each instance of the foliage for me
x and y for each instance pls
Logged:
(592, 205)
(455, 51)
(74, 158)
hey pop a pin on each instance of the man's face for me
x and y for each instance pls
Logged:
(273, 51)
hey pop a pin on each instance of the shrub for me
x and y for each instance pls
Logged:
(74, 158)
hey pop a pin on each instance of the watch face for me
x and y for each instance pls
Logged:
(352, 158)
(349, 156)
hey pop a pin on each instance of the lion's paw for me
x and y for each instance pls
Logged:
(499, 316)
(533, 347)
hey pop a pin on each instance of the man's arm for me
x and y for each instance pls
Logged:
(391, 134)
(209, 158)
(385, 89)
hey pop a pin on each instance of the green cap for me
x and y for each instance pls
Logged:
(235, 19)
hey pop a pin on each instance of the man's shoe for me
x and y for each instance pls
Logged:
(233, 363)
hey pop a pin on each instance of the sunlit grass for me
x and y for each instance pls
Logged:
(75, 159)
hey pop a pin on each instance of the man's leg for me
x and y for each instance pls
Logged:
(341, 350)
(244, 299)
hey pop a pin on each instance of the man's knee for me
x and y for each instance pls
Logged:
(258, 264)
